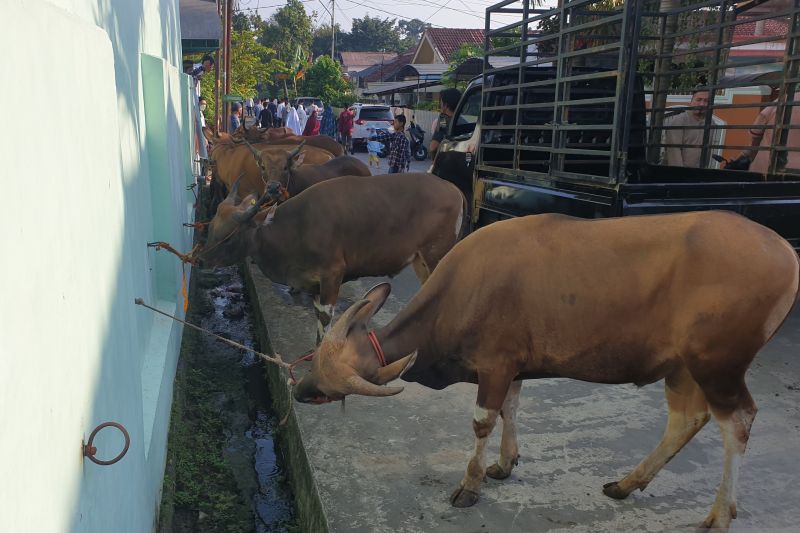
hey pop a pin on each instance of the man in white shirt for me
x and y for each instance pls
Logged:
(692, 124)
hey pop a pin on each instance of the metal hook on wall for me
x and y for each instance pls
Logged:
(89, 450)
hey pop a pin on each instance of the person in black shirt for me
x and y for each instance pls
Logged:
(448, 100)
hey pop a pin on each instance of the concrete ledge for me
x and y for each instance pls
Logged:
(390, 464)
(310, 514)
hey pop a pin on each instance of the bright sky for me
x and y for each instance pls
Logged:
(440, 13)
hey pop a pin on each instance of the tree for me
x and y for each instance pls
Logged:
(321, 45)
(288, 32)
(464, 52)
(324, 80)
(373, 34)
(251, 63)
(411, 31)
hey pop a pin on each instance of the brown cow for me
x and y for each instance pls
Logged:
(232, 159)
(689, 298)
(339, 230)
(286, 136)
(296, 178)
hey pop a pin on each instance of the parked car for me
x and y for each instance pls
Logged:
(369, 116)
(306, 101)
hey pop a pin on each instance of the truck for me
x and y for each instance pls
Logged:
(571, 112)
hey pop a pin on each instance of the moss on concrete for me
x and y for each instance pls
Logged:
(200, 493)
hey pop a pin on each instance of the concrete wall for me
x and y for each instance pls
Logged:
(95, 164)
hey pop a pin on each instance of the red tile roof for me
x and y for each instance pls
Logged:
(772, 27)
(448, 40)
(391, 67)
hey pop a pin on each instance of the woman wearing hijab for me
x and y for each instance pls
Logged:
(302, 115)
(328, 125)
(312, 125)
(293, 121)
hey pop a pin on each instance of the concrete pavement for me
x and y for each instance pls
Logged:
(390, 464)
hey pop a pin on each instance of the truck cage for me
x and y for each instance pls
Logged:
(604, 57)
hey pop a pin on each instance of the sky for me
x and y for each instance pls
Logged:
(440, 13)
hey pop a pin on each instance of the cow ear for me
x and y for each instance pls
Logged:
(375, 297)
(298, 159)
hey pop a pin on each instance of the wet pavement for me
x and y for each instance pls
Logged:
(390, 464)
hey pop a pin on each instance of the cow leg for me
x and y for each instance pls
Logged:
(735, 428)
(420, 268)
(324, 304)
(492, 389)
(509, 450)
(688, 413)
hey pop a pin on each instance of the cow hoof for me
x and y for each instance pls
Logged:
(497, 472)
(612, 490)
(464, 497)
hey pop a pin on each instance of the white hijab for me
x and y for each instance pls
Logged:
(293, 121)
(301, 112)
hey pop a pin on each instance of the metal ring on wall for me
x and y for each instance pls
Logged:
(89, 450)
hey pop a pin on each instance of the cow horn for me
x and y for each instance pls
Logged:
(293, 153)
(251, 211)
(355, 384)
(397, 369)
(342, 326)
(234, 192)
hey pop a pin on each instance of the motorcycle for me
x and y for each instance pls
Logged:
(417, 135)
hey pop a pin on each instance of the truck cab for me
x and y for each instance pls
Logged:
(581, 131)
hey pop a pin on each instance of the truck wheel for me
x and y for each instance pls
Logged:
(421, 153)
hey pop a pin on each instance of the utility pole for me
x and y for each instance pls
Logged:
(333, 29)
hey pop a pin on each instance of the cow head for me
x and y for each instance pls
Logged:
(345, 362)
(279, 164)
(226, 245)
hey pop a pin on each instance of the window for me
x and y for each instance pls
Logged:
(375, 113)
(467, 116)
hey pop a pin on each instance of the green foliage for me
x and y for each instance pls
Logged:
(321, 45)
(324, 80)
(411, 31)
(372, 34)
(288, 32)
(464, 52)
(251, 63)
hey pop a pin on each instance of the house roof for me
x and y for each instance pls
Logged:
(770, 28)
(445, 41)
(382, 72)
(200, 20)
(427, 71)
(361, 60)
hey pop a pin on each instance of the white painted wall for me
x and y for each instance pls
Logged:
(88, 182)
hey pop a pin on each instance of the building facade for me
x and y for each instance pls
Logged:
(97, 155)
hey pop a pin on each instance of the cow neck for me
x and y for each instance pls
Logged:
(271, 243)
(408, 330)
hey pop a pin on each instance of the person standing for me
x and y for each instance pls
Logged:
(257, 108)
(249, 107)
(235, 122)
(266, 119)
(273, 109)
(292, 120)
(346, 129)
(399, 147)
(448, 101)
(762, 133)
(280, 116)
(312, 124)
(327, 126)
(688, 131)
(301, 113)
